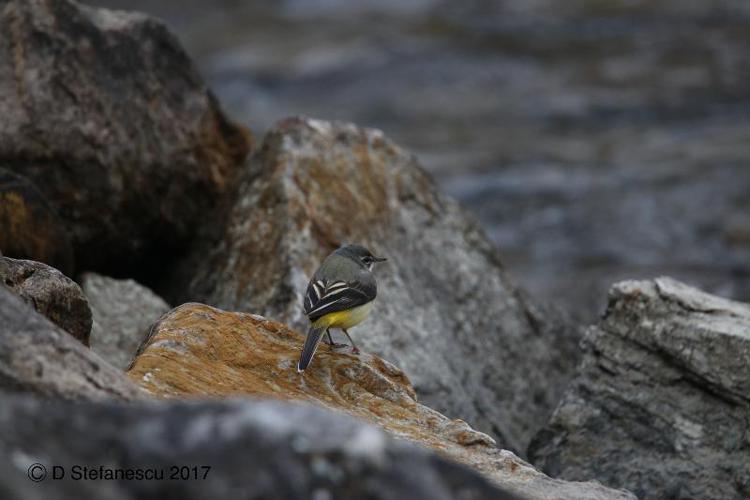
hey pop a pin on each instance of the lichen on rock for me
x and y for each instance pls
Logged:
(446, 311)
(107, 114)
(29, 227)
(199, 351)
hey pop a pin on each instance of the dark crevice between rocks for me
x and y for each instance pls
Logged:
(150, 266)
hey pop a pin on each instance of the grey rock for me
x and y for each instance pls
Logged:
(446, 312)
(268, 450)
(557, 123)
(15, 484)
(29, 226)
(662, 402)
(123, 311)
(38, 357)
(105, 112)
(51, 293)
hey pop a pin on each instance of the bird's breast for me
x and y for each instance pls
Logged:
(345, 319)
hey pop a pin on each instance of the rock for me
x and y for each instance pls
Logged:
(29, 226)
(198, 351)
(38, 357)
(245, 449)
(446, 313)
(557, 123)
(51, 293)
(104, 111)
(662, 401)
(123, 311)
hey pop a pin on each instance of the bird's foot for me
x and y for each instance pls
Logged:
(336, 346)
(355, 350)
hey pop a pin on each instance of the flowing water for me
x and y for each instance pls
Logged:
(594, 139)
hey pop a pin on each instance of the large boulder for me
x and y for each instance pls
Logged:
(447, 314)
(662, 402)
(105, 112)
(123, 311)
(559, 123)
(198, 351)
(51, 293)
(219, 450)
(38, 357)
(29, 226)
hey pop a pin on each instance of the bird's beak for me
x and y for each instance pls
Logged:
(379, 259)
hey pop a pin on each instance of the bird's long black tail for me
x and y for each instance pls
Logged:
(311, 344)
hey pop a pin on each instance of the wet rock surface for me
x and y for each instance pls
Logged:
(38, 357)
(105, 112)
(590, 138)
(661, 403)
(50, 293)
(254, 450)
(199, 351)
(122, 311)
(446, 312)
(29, 226)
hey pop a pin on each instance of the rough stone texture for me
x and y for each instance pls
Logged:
(199, 351)
(446, 313)
(51, 293)
(123, 311)
(104, 111)
(38, 357)
(557, 122)
(662, 402)
(267, 450)
(29, 226)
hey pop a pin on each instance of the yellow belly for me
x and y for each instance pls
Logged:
(344, 319)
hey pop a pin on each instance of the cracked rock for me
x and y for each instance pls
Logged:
(662, 402)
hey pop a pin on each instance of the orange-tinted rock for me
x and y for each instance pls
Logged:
(107, 115)
(446, 311)
(29, 226)
(199, 351)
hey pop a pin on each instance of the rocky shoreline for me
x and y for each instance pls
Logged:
(119, 170)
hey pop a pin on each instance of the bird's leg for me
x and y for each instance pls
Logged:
(331, 342)
(355, 349)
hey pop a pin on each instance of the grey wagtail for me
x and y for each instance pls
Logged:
(339, 295)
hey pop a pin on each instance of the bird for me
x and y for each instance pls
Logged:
(340, 295)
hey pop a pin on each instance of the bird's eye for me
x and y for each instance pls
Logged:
(367, 260)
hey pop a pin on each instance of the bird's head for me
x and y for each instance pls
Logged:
(360, 254)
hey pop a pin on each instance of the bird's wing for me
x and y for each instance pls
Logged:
(323, 297)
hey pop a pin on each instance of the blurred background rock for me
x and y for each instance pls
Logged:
(594, 139)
